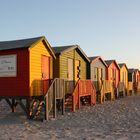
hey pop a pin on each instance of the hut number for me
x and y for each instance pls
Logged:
(8, 66)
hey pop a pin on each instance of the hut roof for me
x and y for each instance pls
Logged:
(23, 43)
(63, 49)
(122, 64)
(131, 70)
(109, 62)
(94, 58)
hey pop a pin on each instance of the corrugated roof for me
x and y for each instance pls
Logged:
(16, 44)
(62, 49)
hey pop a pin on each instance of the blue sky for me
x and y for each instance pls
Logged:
(109, 28)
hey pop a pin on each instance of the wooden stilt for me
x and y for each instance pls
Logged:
(13, 105)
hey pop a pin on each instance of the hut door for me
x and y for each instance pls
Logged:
(96, 78)
(45, 73)
(114, 77)
(77, 70)
(96, 74)
(100, 77)
(70, 69)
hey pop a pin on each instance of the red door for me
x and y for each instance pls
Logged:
(45, 73)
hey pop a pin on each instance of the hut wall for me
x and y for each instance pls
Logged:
(73, 54)
(36, 53)
(18, 85)
(100, 65)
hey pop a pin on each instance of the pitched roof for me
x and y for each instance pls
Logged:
(131, 70)
(62, 49)
(122, 64)
(16, 44)
(23, 43)
(94, 58)
(109, 62)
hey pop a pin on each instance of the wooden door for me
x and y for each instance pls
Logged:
(70, 69)
(96, 74)
(77, 70)
(45, 69)
(114, 77)
(100, 77)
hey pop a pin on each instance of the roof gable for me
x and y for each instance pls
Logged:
(109, 62)
(95, 58)
(122, 65)
(63, 49)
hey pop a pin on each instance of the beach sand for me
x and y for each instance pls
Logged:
(113, 120)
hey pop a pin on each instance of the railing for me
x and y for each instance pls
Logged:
(55, 91)
(138, 87)
(69, 86)
(130, 86)
(97, 85)
(99, 90)
(121, 88)
(108, 88)
(75, 97)
(83, 88)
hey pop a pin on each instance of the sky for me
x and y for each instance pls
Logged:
(106, 28)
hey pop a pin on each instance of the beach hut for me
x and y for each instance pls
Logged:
(26, 67)
(133, 76)
(131, 79)
(72, 65)
(98, 74)
(124, 76)
(113, 74)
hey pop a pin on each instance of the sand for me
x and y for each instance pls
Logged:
(113, 120)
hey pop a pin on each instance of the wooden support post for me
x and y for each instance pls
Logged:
(102, 95)
(103, 100)
(78, 97)
(124, 92)
(63, 98)
(46, 108)
(28, 107)
(73, 103)
(54, 100)
(13, 105)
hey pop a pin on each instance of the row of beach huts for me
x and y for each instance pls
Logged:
(43, 80)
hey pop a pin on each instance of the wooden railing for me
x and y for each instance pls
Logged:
(108, 88)
(97, 85)
(130, 87)
(121, 89)
(69, 86)
(99, 90)
(138, 87)
(83, 88)
(55, 91)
